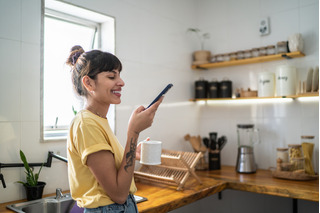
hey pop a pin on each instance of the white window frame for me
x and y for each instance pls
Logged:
(105, 26)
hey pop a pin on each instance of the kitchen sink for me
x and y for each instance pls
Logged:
(45, 205)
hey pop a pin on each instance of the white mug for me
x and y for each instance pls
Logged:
(286, 80)
(150, 152)
(266, 84)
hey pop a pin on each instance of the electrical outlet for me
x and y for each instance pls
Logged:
(264, 27)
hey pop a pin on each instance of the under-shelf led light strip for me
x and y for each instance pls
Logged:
(250, 101)
(308, 99)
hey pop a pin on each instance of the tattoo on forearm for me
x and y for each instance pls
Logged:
(130, 156)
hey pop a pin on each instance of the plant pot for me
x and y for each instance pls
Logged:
(35, 192)
(201, 57)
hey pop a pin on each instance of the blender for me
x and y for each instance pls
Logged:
(247, 137)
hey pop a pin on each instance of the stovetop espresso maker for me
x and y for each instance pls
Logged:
(247, 137)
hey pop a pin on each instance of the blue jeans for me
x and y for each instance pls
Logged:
(129, 206)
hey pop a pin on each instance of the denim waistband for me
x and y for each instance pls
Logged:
(129, 206)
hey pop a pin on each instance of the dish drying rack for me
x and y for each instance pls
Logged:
(175, 168)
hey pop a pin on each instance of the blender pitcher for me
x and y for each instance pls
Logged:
(247, 137)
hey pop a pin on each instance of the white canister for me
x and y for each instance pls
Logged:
(266, 84)
(286, 80)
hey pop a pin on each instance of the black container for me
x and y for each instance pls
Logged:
(213, 89)
(214, 160)
(225, 89)
(35, 192)
(201, 89)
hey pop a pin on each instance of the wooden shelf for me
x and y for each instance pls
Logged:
(249, 60)
(311, 94)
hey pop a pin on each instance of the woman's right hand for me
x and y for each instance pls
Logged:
(142, 118)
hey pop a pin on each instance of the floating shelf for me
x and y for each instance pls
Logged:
(249, 60)
(311, 94)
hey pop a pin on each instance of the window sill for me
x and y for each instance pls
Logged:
(55, 135)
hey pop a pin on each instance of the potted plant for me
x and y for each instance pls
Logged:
(201, 56)
(33, 187)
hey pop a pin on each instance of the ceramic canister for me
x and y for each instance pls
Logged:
(286, 80)
(266, 84)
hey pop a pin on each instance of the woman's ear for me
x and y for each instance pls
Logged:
(88, 83)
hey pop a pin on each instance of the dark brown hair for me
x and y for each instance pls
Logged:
(89, 63)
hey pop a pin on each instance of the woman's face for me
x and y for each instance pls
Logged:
(107, 87)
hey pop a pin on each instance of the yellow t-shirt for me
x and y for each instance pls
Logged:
(88, 134)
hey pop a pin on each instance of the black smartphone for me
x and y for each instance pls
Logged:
(139, 199)
(164, 91)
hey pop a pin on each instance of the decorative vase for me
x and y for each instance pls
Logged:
(201, 57)
(35, 192)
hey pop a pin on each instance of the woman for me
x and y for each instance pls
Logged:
(100, 171)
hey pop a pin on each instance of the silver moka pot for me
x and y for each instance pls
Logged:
(247, 137)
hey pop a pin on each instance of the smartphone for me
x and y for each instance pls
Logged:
(139, 199)
(163, 92)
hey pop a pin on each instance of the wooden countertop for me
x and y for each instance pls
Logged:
(164, 198)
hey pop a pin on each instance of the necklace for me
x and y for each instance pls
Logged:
(96, 113)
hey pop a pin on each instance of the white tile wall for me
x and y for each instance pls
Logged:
(152, 42)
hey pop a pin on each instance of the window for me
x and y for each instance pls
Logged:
(64, 27)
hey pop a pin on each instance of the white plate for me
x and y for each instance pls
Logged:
(309, 80)
(315, 83)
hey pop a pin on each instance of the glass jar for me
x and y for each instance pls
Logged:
(255, 52)
(219, 58)
(247, 54)
(283, 154)
(271, 50)
(240, 55)
(262, 51)
(307, 139)
(233, 56)
(307, 143)
(213, 59)
(226, 57)
(282, 47)
(295, 151)
(298, 163)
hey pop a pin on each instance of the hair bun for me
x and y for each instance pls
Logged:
(76, 52)
(75, 57)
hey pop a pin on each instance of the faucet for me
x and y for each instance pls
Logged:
(46, 164)
(59, 193)
(2, 180)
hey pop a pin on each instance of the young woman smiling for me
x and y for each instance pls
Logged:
(100, 170)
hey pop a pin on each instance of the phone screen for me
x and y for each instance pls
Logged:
(164, 91)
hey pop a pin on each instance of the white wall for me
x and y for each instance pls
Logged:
(152, 43)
